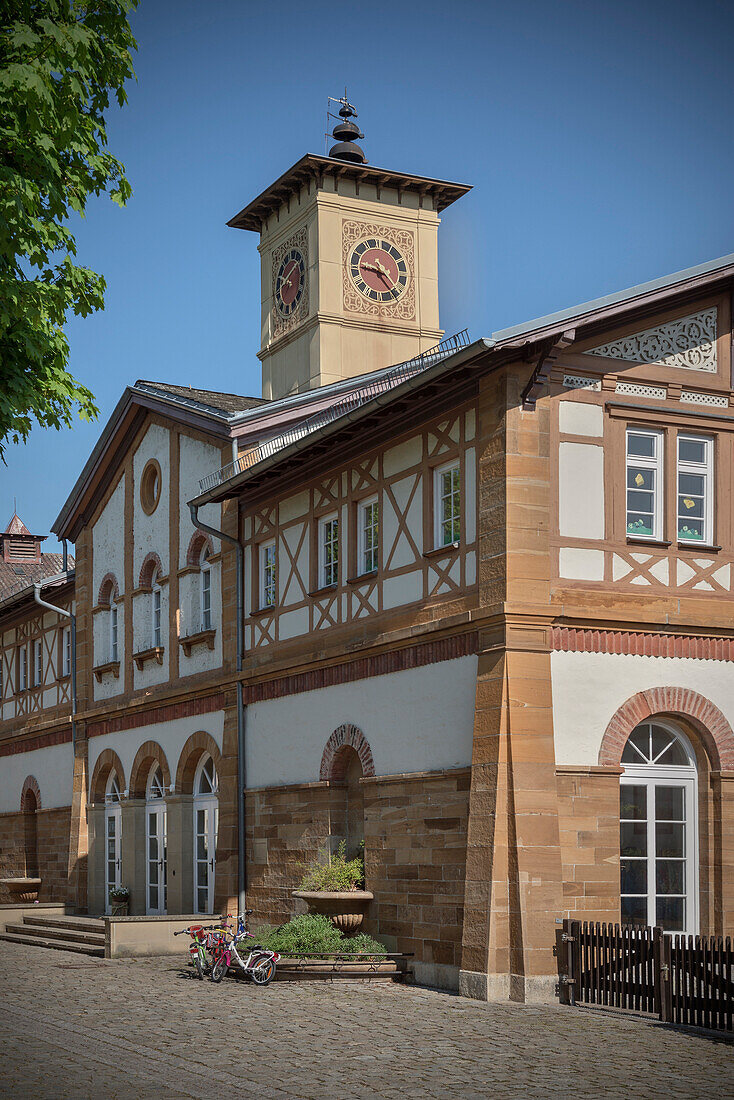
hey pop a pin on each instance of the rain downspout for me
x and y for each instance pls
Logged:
(241, 772)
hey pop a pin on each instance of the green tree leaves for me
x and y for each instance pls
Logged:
(60, 60)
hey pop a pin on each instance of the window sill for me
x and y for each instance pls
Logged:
(202, 637)
(324, 590)
(260, 612)
(363, 578)
(641, 540)
(109, 666)
(155, 653)
(438, 550)
(707, 546)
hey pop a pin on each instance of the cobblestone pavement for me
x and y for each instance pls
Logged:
(83, 1028)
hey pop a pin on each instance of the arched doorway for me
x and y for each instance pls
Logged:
(156, 838)
(206, 823)
(113, 837)
(658, 829)
(30, 832)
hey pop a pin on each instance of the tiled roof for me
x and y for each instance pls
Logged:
(15, 577)
(226, 402)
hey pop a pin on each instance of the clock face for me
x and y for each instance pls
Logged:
(290, 282)
(378, 270)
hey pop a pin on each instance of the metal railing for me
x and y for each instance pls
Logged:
(354, 400)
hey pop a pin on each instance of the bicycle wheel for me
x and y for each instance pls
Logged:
(219, 969)
(264, 972)
(199, 966)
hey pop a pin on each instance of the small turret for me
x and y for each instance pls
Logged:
(346, 134)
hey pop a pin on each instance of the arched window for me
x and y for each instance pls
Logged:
(206, 589)
(658, 834)
(156, 785)
(113, 837)
(206, 820)
(155, 610)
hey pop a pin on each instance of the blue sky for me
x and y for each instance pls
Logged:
(597, 136)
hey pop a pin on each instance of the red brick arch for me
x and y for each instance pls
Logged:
(198, 541)
(333, 761)
(30, 786)
(715, 732)
(148, 754)
(108, 590)
(107, 761)
(198, 745)
(151, 564)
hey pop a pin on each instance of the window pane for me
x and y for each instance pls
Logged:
(633, 876)
(676, 754)
(670, 877)
(153, 897)
(669, 839)
(670, 913)
(641, 444)
(691, 483)
(203, 896)
(633, 802)
(640, 477)
(634, 910)
(202, 877)
(691, 529)
(691, 450)
(633, 838)
(690, 507)
(669, 804)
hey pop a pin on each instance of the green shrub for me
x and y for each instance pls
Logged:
(313, 934)
(340, 874)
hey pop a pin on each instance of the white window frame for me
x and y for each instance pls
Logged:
(438, 498)
(329, 571)
(653, 775)
(22, 668)
(155, 613)
(113, 633)
(37, 662)
(657, 465)
(369, 556)
(268, 574)
(703, 469)
(66, 651)
(205, 590)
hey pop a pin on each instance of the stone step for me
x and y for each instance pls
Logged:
(76, 924)
(68, 935)
(59, 945)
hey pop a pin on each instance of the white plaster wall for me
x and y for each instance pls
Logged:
(196, 459)
(151, 532)
(418, 720)
(581, 565)
(580, 418)
(403, 456)
(171, 736)
(588, 688)
(108, 541)
(581, 490)
(52, 768)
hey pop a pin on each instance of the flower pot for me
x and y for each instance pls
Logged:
(119, 908)
(22, 889)
(344, 908)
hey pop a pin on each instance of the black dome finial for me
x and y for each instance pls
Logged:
(346, 134)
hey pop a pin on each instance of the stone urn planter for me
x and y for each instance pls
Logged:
(22, 889)
(345, 908)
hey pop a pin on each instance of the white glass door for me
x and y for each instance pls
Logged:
(657, 849)
(113, 853)
(156, 863)
(205, 848)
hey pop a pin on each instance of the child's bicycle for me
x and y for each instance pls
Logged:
(202, 940)
(259, 964)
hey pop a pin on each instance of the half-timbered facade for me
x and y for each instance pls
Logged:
(472, 611)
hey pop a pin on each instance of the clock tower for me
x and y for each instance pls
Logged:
(349, 265)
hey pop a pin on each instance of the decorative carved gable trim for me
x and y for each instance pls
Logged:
(687, 343)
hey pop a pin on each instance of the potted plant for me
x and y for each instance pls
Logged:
(335, 889)
(119, 900)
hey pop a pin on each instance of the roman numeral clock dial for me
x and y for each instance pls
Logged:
(289, 282)
(378, 270)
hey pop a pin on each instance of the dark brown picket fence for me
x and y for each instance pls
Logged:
(680, 979)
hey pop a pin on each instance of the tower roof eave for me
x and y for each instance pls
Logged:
(315, 167)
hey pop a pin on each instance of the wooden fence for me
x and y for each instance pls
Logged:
(680, 979)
